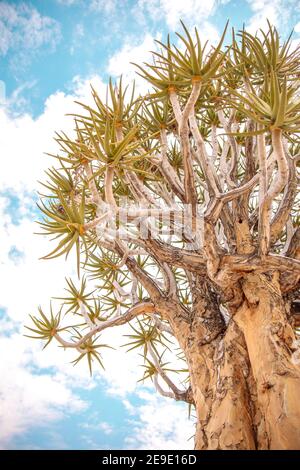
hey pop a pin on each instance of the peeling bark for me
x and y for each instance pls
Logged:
(271, 343)
(244, 381)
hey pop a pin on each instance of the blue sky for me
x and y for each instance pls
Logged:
(49, 53)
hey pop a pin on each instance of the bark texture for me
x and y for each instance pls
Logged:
(245, 381)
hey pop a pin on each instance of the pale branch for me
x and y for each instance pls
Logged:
(213, 210)
(277, 185)
(149, 284)
(211, 249)
(164, 193)
(108, 189)
(101, 243)
(289, 235)
(214, 143)
(227, 125)
(169, 280)
(121, 291)
(92, 185)
(142, 308)
(249, 151)
(95, 222)
(238, 191)
(127, 252)
(244, 263)
(190, 104)
(134, 287)
(211, 176)
(132, 188)
(85, 315)
(183, 126)
(161, 326)
(167, 170)
(206, 165)
(124, 214)
(178, 394)
(160, 390)
(175, 105)
(143, 194)
(223, 164)
(244, 238)
(283, 212)
(263, 213)
(178, 257)
(135, 212)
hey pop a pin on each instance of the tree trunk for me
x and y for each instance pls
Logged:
(246, 381)
(271, 345)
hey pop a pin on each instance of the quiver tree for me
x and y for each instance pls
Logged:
(181, 206)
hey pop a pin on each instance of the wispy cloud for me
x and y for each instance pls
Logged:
(103, 5)
(17, 101)
(103, 426)
(67, 2)
(40, 388)
(160, 424)
(277, 12)
(29, 397)
(24, 31)
(132, 51)
(172, 11)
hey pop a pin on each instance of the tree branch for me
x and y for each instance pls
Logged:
(283, 212)
(143, 308)
(277, 185)
(179, 395)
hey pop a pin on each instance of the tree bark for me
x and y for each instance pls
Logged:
(271, 345)
(245, 380)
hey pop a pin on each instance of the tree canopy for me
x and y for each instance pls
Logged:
(173, 197)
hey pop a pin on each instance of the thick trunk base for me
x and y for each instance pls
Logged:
(246, 383)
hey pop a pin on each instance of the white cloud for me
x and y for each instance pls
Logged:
(79, 30)
(98, 6)
(30, 398)
(208, 32)
(133, 52)
(41, 386)
(107, 6)
(106, 428)
(278, 12)
(139, 53)
(36, 280)
(162, 424)
(24, 30)
(25, 139)
(77, 36)
(57, 389)
(16, 100)
(67, 2)
(120, 62)
(190, 11)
